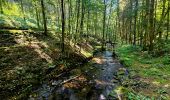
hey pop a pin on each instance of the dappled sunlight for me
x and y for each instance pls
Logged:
(167, 85)
(35, 44)
(156, 83)
(44, 55)
(85, 53)
(101, 82)
(72, 85)
(98, 60)
(15, 31)
(84, 49)
(76, 83)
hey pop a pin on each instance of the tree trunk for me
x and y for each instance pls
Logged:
(88, 20)
(82, 21)
(167, 34)
(77, 22)
(63, 24)
(38, 21)
(135, 22)
(151, 22)
(69, 22)
(163, 11)
(1, 7)
(131, 10)
(104, 24)
(44, 17)
(22, 7)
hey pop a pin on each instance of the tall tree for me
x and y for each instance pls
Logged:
(82, 17)
(104, 23)
(1, 6)
(151, 26)
(168, 21)
(135, 21)
(63, 23)
(44, 17)
(77, 22)
(22, 7)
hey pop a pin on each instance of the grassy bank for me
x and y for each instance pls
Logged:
(149, 77)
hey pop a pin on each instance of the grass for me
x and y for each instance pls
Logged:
(154, 71)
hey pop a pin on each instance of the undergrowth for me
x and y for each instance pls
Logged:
(148, 68)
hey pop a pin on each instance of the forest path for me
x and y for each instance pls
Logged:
(94, 81)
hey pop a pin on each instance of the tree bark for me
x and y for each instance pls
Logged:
(135, 22)
(63, 24)
(151, 22)
(104, 24)
(168, 21)
(38, 21)
(77, 22)
(44, 17)
(1, 7)
(22, 7)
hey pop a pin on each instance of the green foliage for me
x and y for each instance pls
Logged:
(12, 9)
(156, 69)
(18, 22)
(5, 21)
(162, 47)
(136, 96)
(127, 54)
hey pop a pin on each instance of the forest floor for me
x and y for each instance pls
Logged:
(28, 59)
(149, 77)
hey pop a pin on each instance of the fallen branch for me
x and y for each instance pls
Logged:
(65, 81)
(58, 83)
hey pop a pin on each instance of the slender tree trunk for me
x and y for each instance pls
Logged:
(77, 22)
(117, 21)
(108, 23)
(1, 7)
(82, 18)
(38, 21)
(146, 24)
(142, 25)
(130, 35)
(22, 7)
(58, 15)
(151, 21)
(63, 24)
(168, 21)
(88, 19)
(82, 21)
(70, 12)
(44, 17)
(135, 21)
(163, 11)
(104, 24)
(96, 24)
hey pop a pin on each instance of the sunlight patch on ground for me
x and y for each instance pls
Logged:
(15, 31)
(37, 45)
(167, 85)
(44, 55)
(72, 85)
(100, 82)
(98, 60)
(156, 83)
(76, 83)
(86, 54)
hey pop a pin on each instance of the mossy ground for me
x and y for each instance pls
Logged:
(149, 77)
